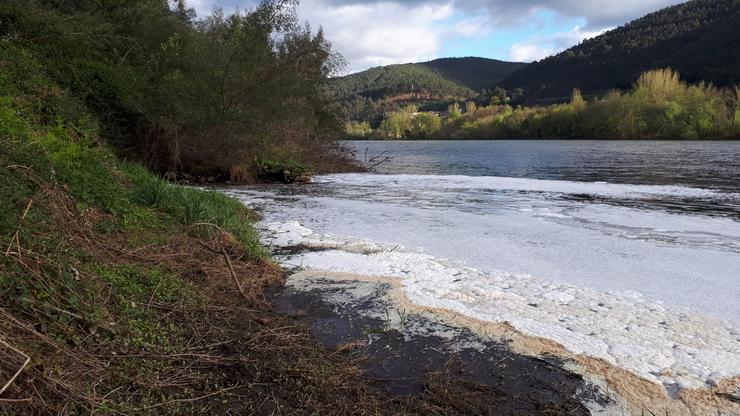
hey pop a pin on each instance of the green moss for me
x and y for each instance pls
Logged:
(266, 166)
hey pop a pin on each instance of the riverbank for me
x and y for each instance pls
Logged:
(405, 342)
(123, 294)
(409, 352)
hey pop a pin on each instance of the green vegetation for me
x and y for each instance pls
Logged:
(358, 129)
(121, 293)
(67, 205)
(478, 74)
(659, 106)
(203, 98)
(366, 96)
(283, 170)
(410, 123)
(698, 38)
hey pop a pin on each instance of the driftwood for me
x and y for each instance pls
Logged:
(233, 273)
(16, 234)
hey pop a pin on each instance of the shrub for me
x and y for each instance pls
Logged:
(152, 193)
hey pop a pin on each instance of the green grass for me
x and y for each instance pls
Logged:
(37, 158)
(205, 211)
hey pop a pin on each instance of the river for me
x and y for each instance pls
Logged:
(623, 250)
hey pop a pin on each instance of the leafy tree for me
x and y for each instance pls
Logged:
(425, 126)
(453, 111)
(577, 103)
(183, 94)
(358, 129)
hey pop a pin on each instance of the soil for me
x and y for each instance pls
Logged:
(409, 359)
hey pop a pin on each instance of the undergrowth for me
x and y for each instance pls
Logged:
(123, 294)
(84, 279)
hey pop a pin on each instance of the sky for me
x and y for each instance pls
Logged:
(370, 33)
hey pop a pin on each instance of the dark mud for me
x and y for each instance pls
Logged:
(403, 353)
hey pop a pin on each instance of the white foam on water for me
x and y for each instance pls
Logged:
(513, 184)
(647, 290)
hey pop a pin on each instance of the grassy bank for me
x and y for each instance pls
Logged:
(124, 292)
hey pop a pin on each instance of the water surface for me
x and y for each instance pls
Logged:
(629, 251)
(712, 164)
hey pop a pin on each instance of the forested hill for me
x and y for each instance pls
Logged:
(368, 95)
(700, 39)
(475, 73)
(394, 80)
(448, 77)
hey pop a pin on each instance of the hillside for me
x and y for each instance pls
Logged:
(699, 39)
(475, 73)
(367, 95)
(447, 77)
(394, 80)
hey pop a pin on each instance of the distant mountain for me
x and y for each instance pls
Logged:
(447, 77)
(397, 81)
(699, 38)
(474, 73)
(367, 95)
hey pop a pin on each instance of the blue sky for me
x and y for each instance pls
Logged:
(381, 32)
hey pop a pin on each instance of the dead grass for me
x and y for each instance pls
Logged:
(230, 353)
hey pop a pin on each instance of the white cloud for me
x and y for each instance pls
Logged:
(380, 34)
(524, 52)
(470, 27)
(372, 33)
(538, 47)
(597, 13)
(577, 34)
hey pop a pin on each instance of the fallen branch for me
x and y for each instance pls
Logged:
(16, 234)
(233, 273)
(194, 399)
(26, 358)
(376, 164)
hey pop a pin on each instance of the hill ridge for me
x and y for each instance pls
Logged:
(698, 38)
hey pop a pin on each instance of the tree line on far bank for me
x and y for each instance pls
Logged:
(659, 106)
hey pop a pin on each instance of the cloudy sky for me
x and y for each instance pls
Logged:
(379, 32)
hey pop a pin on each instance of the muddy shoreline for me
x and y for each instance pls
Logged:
(403, 352)
(407, 350)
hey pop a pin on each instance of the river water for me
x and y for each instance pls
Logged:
(623, 250)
